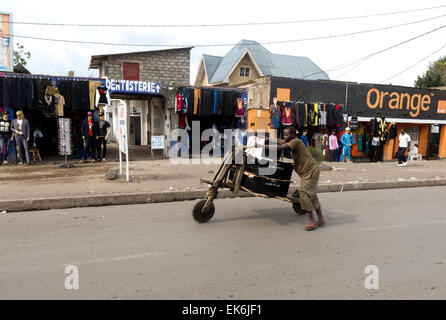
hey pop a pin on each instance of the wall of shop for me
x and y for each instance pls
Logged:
(166, 66)
(259, 93)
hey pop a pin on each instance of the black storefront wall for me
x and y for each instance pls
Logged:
(367, 100)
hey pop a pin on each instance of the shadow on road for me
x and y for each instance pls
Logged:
(286, 216)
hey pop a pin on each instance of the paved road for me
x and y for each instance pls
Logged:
(252, 249)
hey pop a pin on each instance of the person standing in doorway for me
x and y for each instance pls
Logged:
(90, 133)
(403, 146)
(5, 136)
(346, 141)
(333, 146)
(104, 131)
(20, 128)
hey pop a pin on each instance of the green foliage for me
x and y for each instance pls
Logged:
(20, 55)
(435, 76)
(316, 154)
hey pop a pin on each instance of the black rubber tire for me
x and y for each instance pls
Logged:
(297, 209)
(203, 217)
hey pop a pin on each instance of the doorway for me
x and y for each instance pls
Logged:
(135, 131)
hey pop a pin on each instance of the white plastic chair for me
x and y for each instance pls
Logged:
(413, 154)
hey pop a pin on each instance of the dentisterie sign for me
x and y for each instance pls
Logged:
(133, 86)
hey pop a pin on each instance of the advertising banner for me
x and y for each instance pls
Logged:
(6, 51)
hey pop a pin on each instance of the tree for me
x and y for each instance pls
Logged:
(20, 55)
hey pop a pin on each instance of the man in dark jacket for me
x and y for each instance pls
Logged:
(20, 128)
(90, 133)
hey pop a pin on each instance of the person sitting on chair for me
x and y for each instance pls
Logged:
(308, 170)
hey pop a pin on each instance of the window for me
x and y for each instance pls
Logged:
(413, 132)
(130, 71)
(244, 72)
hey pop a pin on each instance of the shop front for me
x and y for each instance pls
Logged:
(320, 106)
(44, 99)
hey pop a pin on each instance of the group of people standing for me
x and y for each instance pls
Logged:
(94, 137)
(18, 131)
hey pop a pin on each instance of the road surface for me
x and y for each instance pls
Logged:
(253, 248)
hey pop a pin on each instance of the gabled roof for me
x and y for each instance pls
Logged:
(268, 63)
(211, 64)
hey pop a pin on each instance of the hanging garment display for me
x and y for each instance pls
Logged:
(302, 114)
(49, 105)
(239, 107)
(92, 87)
(382, 129)
(287, 115)
(197, 97)
(275, 116)
(323, 115)
(60, 103)
(296, 115)
(354, 123)
(207, 102)
(360, 141)
(102, 96)
(178, 102)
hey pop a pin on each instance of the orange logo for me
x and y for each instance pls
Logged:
(441, 106)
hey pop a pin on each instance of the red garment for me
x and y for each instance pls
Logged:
(178, 103)
(90, 127)
(239, 108)
(182, 120)
(287, 116)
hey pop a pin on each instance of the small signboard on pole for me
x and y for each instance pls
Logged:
(156, 143)
(123, 138)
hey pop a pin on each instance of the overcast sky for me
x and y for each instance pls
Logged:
(58, 58)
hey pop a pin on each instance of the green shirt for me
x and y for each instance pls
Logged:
(303, 160)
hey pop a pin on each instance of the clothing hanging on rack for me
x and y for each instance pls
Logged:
(102, 95)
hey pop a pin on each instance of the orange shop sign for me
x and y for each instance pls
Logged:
(414, 102)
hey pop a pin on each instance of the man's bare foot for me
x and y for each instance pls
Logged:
(321, 222)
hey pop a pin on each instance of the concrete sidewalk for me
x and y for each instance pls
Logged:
(47, 186)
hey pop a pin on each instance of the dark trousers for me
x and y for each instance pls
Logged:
(333, 155)
(90, 148)
(101, 142)
(380, 152)
(373, 153)
(4, 147)
(401, 157)
(21, 142)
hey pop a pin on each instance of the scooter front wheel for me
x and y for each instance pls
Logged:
(203, 217)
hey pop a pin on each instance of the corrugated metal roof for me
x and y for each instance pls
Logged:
(211, 64)
(296, 67)
(268, 63)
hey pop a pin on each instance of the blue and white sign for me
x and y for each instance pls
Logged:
(132, 86)
(157, 142)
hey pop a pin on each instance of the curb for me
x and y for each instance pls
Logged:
(160, 197)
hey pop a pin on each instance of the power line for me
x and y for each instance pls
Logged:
(375, 53)
(410, 67)
(227, 44)
(221, 24)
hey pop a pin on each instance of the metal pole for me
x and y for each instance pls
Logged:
(346, 97)
(127, 165)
